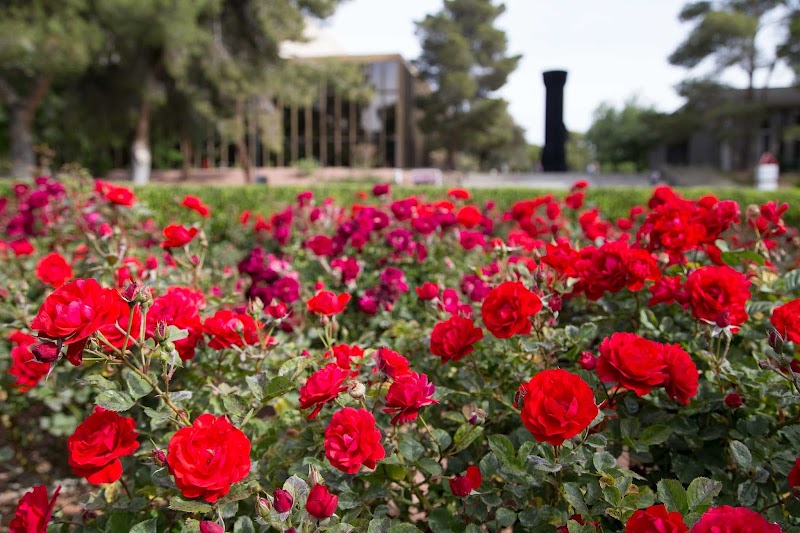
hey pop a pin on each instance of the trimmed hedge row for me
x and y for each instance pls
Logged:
(227, 202)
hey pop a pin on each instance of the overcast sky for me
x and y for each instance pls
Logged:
(612, 49)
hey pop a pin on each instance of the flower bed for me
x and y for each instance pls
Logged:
(403, 363)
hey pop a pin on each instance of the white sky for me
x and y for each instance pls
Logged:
(612, 49)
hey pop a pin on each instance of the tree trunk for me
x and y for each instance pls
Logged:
(241, 145)
(450, 159)
(22, 160)
(141, 158)
(186, 151)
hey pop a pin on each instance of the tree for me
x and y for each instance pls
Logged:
(622, 136)
(464, 60)
(727, 31)
(41, 42)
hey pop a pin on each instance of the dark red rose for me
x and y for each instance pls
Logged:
(462, 486)
(453, 339)
(666, 290)
(34, 511)
(179, 307)
(228, 328)
(207, 457)
(557, 406)
(321, 504)
(715, 290)
(75, 311)
(176, 236)
(681, 374)
(323, 386)
(786, 320)
(633, 362)
(656, 519)
(282, 501)
(327, 303)
(195, 204)
(53, 270)
(794, 474)
(733, 400)
(587, 361)
(97, 444)
(24, 366)
(391, 363)
(507, 309)
(726, 519)
(352, 440)
(408, 394)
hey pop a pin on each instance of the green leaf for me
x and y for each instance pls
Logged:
(747, 493)
(741, 455)
(294, 366)
(701, 493)
(791, 281)
(656, 434)
(505, 517)
(502, 448)
(234, 405)
(442, 437)
(465, 435)
(188, 506)
(740, 257)
(298, 489)
(441, 521)
(403, 528)
(174, 333)
(277, 387)
(99, 382)
(257, 384)
(114, 400)
(148, 526)
(379, 525)
(410, 448)
(574, 496)
(604, 461)
(430, 466)
(672, 494)
(137, 386)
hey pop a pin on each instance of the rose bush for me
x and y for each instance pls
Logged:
(400, 364)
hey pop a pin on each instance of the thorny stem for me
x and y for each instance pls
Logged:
(436, 442)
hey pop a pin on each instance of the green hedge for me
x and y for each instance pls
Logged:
(227, 202)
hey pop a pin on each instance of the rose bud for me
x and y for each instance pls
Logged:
(151, 263)
(161, 333)
(131, 292)
(774, 338)
(283, 501)
(356, 389)
(159, 457)
(478, 417)
(263, 507)
(88, 516)
(46, 352)
(211, 527)
(723, 319)
(314, 476)
(321, 504)
(555, 304)
(587, 361)
(733, 400)
(460, 485)
(795, 366)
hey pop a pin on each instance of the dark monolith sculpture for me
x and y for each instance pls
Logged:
(554, 158)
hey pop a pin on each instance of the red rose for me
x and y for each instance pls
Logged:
(195, 204)
(407, 395)
(557, 406)
(21, 247)
(351, 439)
(321, 504)
(282, 501)
(228, 328)
(392, 363)
(462, 486)
(469, 216)
(714, 291)
(666, 290)
(428, 291)
(34, 511)
(179, 307)
(635, 363)
(323, 386)
(208, 457)
(24, 366)
(786, 320)
(453, 339)
(114, 194)
(53, 270)
(115, 331)
(726, 519)
(211, 527)
(734, 401)
(656, 519)
(97, 444)
(73, 312)
(176, 236)
(327, 303)
(459, 194)
(507, 308)
(794, 474)
(681, 374)
(344, 354)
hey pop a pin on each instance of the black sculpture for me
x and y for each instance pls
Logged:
(554, 158)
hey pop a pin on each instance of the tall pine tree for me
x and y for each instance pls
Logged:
(464, 59)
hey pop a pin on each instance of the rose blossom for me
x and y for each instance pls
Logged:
(24, 366)
(656, 518)
(321, 504)
(462, 486)
(97, 444)
(507, 308)
(635, 363)
(195, 204)
(352, 440)
(34, 511)
(682, 374)
(207, 457)
(53, 270)
(228, 328)
(327, 303)
(453, 339)
(557, 406)
(176, 236)
(718, 290)
(323, 386)
(727, 519)
(407, 395)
